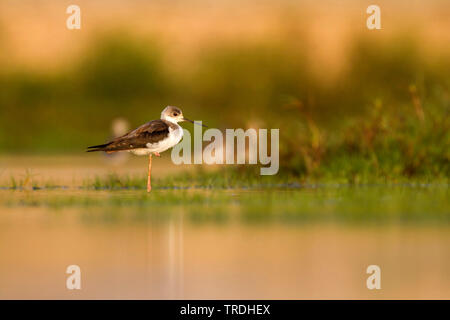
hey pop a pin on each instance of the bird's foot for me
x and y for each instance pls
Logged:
(157, 154)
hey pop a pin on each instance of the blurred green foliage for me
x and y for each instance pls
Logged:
(119, 71)
(386, 115)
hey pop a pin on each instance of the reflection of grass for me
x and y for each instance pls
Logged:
(375, 204)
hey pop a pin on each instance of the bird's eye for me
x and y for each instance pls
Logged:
(175, 114)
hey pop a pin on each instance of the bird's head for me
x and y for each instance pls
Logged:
(175, 115)
(172, 114)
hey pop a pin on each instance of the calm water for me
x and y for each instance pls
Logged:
(303, 243)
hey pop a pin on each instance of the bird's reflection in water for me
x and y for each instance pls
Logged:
(165, 257)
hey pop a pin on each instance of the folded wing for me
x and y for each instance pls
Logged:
(150, 132)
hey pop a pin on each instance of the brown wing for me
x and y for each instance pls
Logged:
(151, 132)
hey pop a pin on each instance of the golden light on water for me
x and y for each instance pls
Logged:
(181, 260)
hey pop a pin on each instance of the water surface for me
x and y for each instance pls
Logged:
(297, 243)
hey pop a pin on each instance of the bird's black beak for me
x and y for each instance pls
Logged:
(185, 119)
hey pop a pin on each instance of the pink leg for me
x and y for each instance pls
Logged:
(149, 178)
(157, 154)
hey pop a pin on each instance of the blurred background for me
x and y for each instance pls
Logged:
(346, 98)
(364, 149)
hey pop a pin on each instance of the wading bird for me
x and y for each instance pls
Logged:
(151, 138)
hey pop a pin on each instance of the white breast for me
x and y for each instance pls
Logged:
(172, 139)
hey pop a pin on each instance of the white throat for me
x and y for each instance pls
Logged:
(170, 119)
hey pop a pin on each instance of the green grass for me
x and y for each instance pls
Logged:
(242, 177)
(236, 177)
